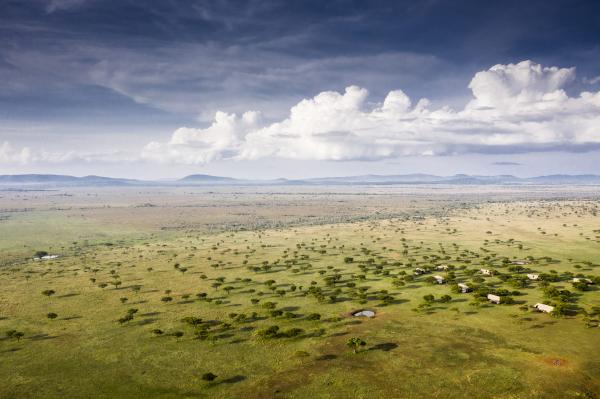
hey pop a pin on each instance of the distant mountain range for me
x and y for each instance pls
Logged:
(208, 180)
(66, 180)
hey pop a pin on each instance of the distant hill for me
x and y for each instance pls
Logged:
(459, 179)
(207, 179)
(566, 179)
(64, 180)
(35, 178)
(46, 180)
(378, 179)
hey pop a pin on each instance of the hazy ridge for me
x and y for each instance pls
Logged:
(208, 180)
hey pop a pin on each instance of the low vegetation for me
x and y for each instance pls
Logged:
(269, 312)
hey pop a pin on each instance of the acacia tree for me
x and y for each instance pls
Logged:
(209, 376)
(355, 343)
(15, 334)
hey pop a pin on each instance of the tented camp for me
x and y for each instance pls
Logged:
(363, 313)
(464, 288)
(46, 257)
(439, 279)
(543, 307)
(494, 298)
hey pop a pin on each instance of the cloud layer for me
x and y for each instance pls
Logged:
(515, 108)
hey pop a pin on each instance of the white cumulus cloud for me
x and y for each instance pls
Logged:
(8, 154)
(223, 139)
(515, 108)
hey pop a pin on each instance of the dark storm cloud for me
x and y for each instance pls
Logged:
(192, 57)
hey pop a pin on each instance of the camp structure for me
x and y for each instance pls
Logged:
(46, 257)
(464, 288)
(543, 307)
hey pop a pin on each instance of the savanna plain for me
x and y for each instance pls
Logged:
(257, 292)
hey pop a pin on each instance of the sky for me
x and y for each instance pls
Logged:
(268, 89)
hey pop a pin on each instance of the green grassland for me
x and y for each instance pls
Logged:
(208, 295)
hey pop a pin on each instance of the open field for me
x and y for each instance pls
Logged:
(206, 274)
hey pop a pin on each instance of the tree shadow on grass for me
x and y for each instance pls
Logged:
(234, 379)
(149, 314)
(326, 357)
(339, 334)
(41, 337)
(394, 302)
(258, 318)
(11, 350)
(537, 326)
(386, 347)
(224, 335)
(314, 334)
(343, 299)
(147, 321)
(69, 295)
(428, 312)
